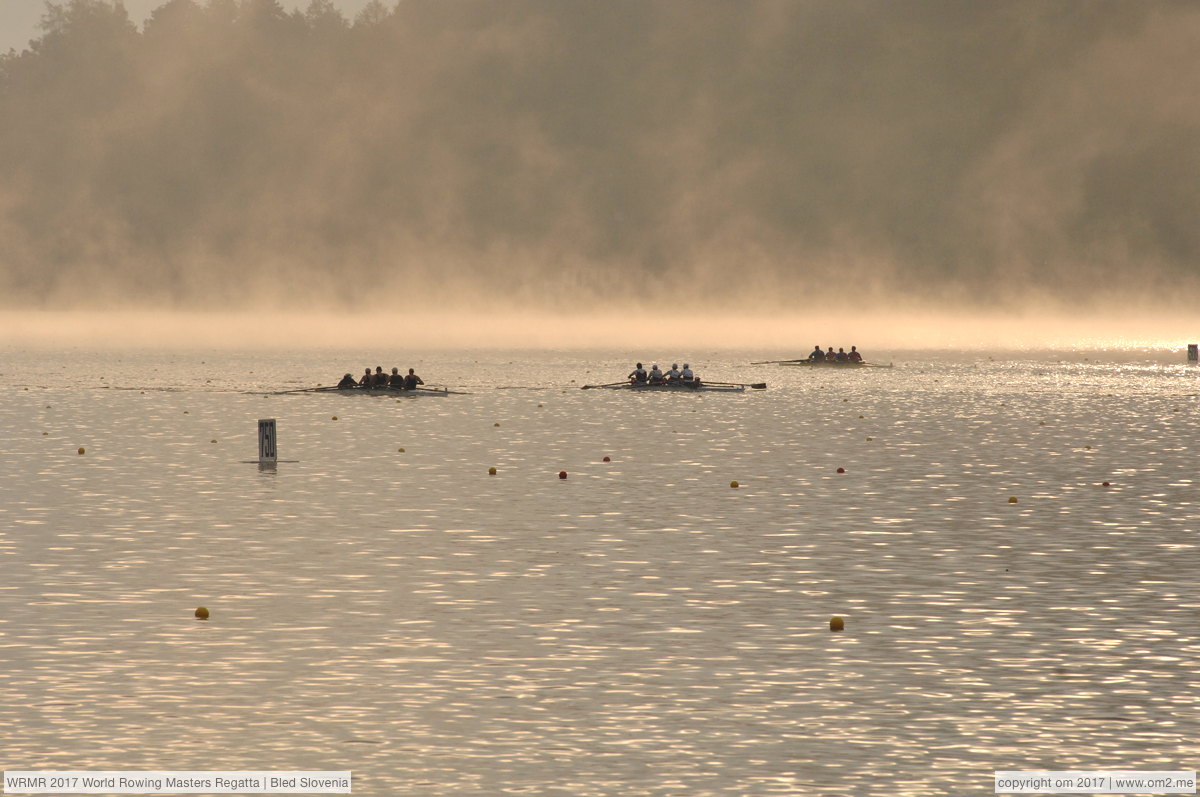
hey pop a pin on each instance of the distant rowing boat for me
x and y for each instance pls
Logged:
(375, 391)
(679, 387)
(834, 364)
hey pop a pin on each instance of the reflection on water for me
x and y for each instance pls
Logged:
(385, 605)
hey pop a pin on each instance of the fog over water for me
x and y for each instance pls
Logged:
(603, 158)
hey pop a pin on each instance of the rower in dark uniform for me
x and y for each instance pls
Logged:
(817, 355)
(366, 380)
(396, 380)
(347, 381)
(412, 380)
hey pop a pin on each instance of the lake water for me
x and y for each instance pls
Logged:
(384, 605)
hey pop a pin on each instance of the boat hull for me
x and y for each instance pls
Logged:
(834, 364)
(384, 391)
(678, 388)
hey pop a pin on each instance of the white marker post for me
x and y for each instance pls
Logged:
(267, 452)
(1193, 352)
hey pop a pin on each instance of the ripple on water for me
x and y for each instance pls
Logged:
(638, 628)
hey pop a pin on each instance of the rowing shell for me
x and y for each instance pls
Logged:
(835, 364)
(383, 391)
(672, 388)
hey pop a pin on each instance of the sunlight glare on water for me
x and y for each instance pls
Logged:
(638, 628)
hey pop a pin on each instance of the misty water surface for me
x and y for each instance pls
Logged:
(383, 605)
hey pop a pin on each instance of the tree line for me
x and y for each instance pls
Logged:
(553, 150)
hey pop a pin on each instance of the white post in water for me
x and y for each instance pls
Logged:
(266, 441)
(1193, 352)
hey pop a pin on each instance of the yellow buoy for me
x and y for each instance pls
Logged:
(401, 450)
(45, 433)
(202, 613)
(870, 438)
(491, 471)
(734, 484)
(836, 624)
(1012, 499)
(82, 450)
(495, 424)
(214, 441)
(335, 417)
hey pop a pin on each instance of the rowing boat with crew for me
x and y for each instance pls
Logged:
(834, 364)
(384, 390)
(673, 381)
(678, 387)
(822, 359)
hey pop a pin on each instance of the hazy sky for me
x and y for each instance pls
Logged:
(19, 18)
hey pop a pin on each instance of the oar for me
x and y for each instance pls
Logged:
(613, 384)
(755, 386)
(302, 390)
(777, 362)
(435, 389)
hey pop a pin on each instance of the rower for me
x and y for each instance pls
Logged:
(817, 355)
(412, 380)
(637, 375)
(855, 357)
(396, 380)
(687, 375)
(656, 376)
(366, 379)
(842, 356)
(673, 375)
(347, 381)
(829, 355)
(381, 379)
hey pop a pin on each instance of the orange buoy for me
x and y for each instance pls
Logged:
(201, 613)
(841, 470)
(562, 474)
(607, 459)
(491, 471)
